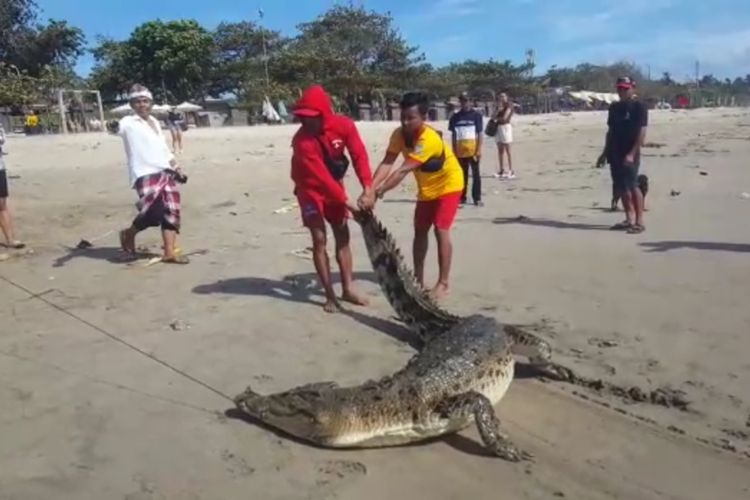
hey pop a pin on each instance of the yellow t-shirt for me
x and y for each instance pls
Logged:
(432, 185)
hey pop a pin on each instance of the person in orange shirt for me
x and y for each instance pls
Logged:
(440, 181)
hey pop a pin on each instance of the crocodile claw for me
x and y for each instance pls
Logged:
(508, 451)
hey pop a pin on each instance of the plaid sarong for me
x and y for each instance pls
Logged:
(153, 187)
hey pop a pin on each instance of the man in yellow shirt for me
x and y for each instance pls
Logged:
(439, 178)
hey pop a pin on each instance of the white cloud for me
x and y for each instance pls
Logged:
(583, 26)
(448, 48)
(445, 9)
(601, 18)
(459, 7)
(725, 53)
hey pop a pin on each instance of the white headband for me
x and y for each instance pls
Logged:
(141, 93)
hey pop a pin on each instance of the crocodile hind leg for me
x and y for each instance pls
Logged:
(477, 405)
(538, 352)
(526, 344)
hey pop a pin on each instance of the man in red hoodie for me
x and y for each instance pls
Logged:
(318, 167)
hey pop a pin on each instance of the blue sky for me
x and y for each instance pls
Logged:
(667, 35)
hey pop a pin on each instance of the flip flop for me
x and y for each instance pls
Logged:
(178, 259)
(17, 245)
(636, 229)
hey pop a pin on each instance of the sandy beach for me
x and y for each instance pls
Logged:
(90, 409)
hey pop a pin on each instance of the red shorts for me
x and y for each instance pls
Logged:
(315, 210)
(441, 211)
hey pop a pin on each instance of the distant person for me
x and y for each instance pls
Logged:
(32, 123)
(174, 121)
(627, 121)
(466, 126)
(318, 168)
(6, 221)
(440, 183)
(153, 173)
(504, 135)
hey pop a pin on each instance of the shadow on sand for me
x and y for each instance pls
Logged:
(303, 288)
(556, 224)
(114, 255)
(666, 246)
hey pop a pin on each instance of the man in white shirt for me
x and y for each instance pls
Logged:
(6, 222)
(153, 173)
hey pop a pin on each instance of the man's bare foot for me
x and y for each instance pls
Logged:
(439, 291)
(175, 259)
(331, 306)
(127, 241)
(354, 298)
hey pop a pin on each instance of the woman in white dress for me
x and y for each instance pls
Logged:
(504, 135)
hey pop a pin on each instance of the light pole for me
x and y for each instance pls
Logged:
(265, 53)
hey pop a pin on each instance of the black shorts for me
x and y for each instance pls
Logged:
(624, 178)
(3, 184)
(154, 217)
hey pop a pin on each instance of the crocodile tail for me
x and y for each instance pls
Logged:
(411, 302)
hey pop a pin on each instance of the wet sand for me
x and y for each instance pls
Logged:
(89, 415)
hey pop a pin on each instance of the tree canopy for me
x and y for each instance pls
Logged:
(173, 59)
(357, 54)
(34, 57)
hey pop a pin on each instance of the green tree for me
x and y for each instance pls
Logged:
(239, 67)
(31, 46)
(487, 78)
(19, 88)
(173, 59)
(34, 58)
(111, 74)
(16, 17)
(594, 77)
(666, 79)
(350, 50)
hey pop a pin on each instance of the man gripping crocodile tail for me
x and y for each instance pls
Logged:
(318, 167)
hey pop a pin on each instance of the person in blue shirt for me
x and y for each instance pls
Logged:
(466, 128)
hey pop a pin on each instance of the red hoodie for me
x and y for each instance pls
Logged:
(309, 172)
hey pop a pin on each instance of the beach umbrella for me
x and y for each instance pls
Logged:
(161, 109)
(188, 107)
(122, 109)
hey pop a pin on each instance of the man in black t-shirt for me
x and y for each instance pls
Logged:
(627, 122)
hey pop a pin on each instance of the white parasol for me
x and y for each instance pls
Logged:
(122, 109)
(188, 107)
(161, 109)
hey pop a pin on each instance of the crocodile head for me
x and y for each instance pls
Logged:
(299, 412)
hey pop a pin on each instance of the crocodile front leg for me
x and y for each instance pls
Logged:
(477, 405)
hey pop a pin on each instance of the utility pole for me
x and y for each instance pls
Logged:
(530, 60)
(265, 53)
(697, 73)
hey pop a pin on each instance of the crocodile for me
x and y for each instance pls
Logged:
(463, 367)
